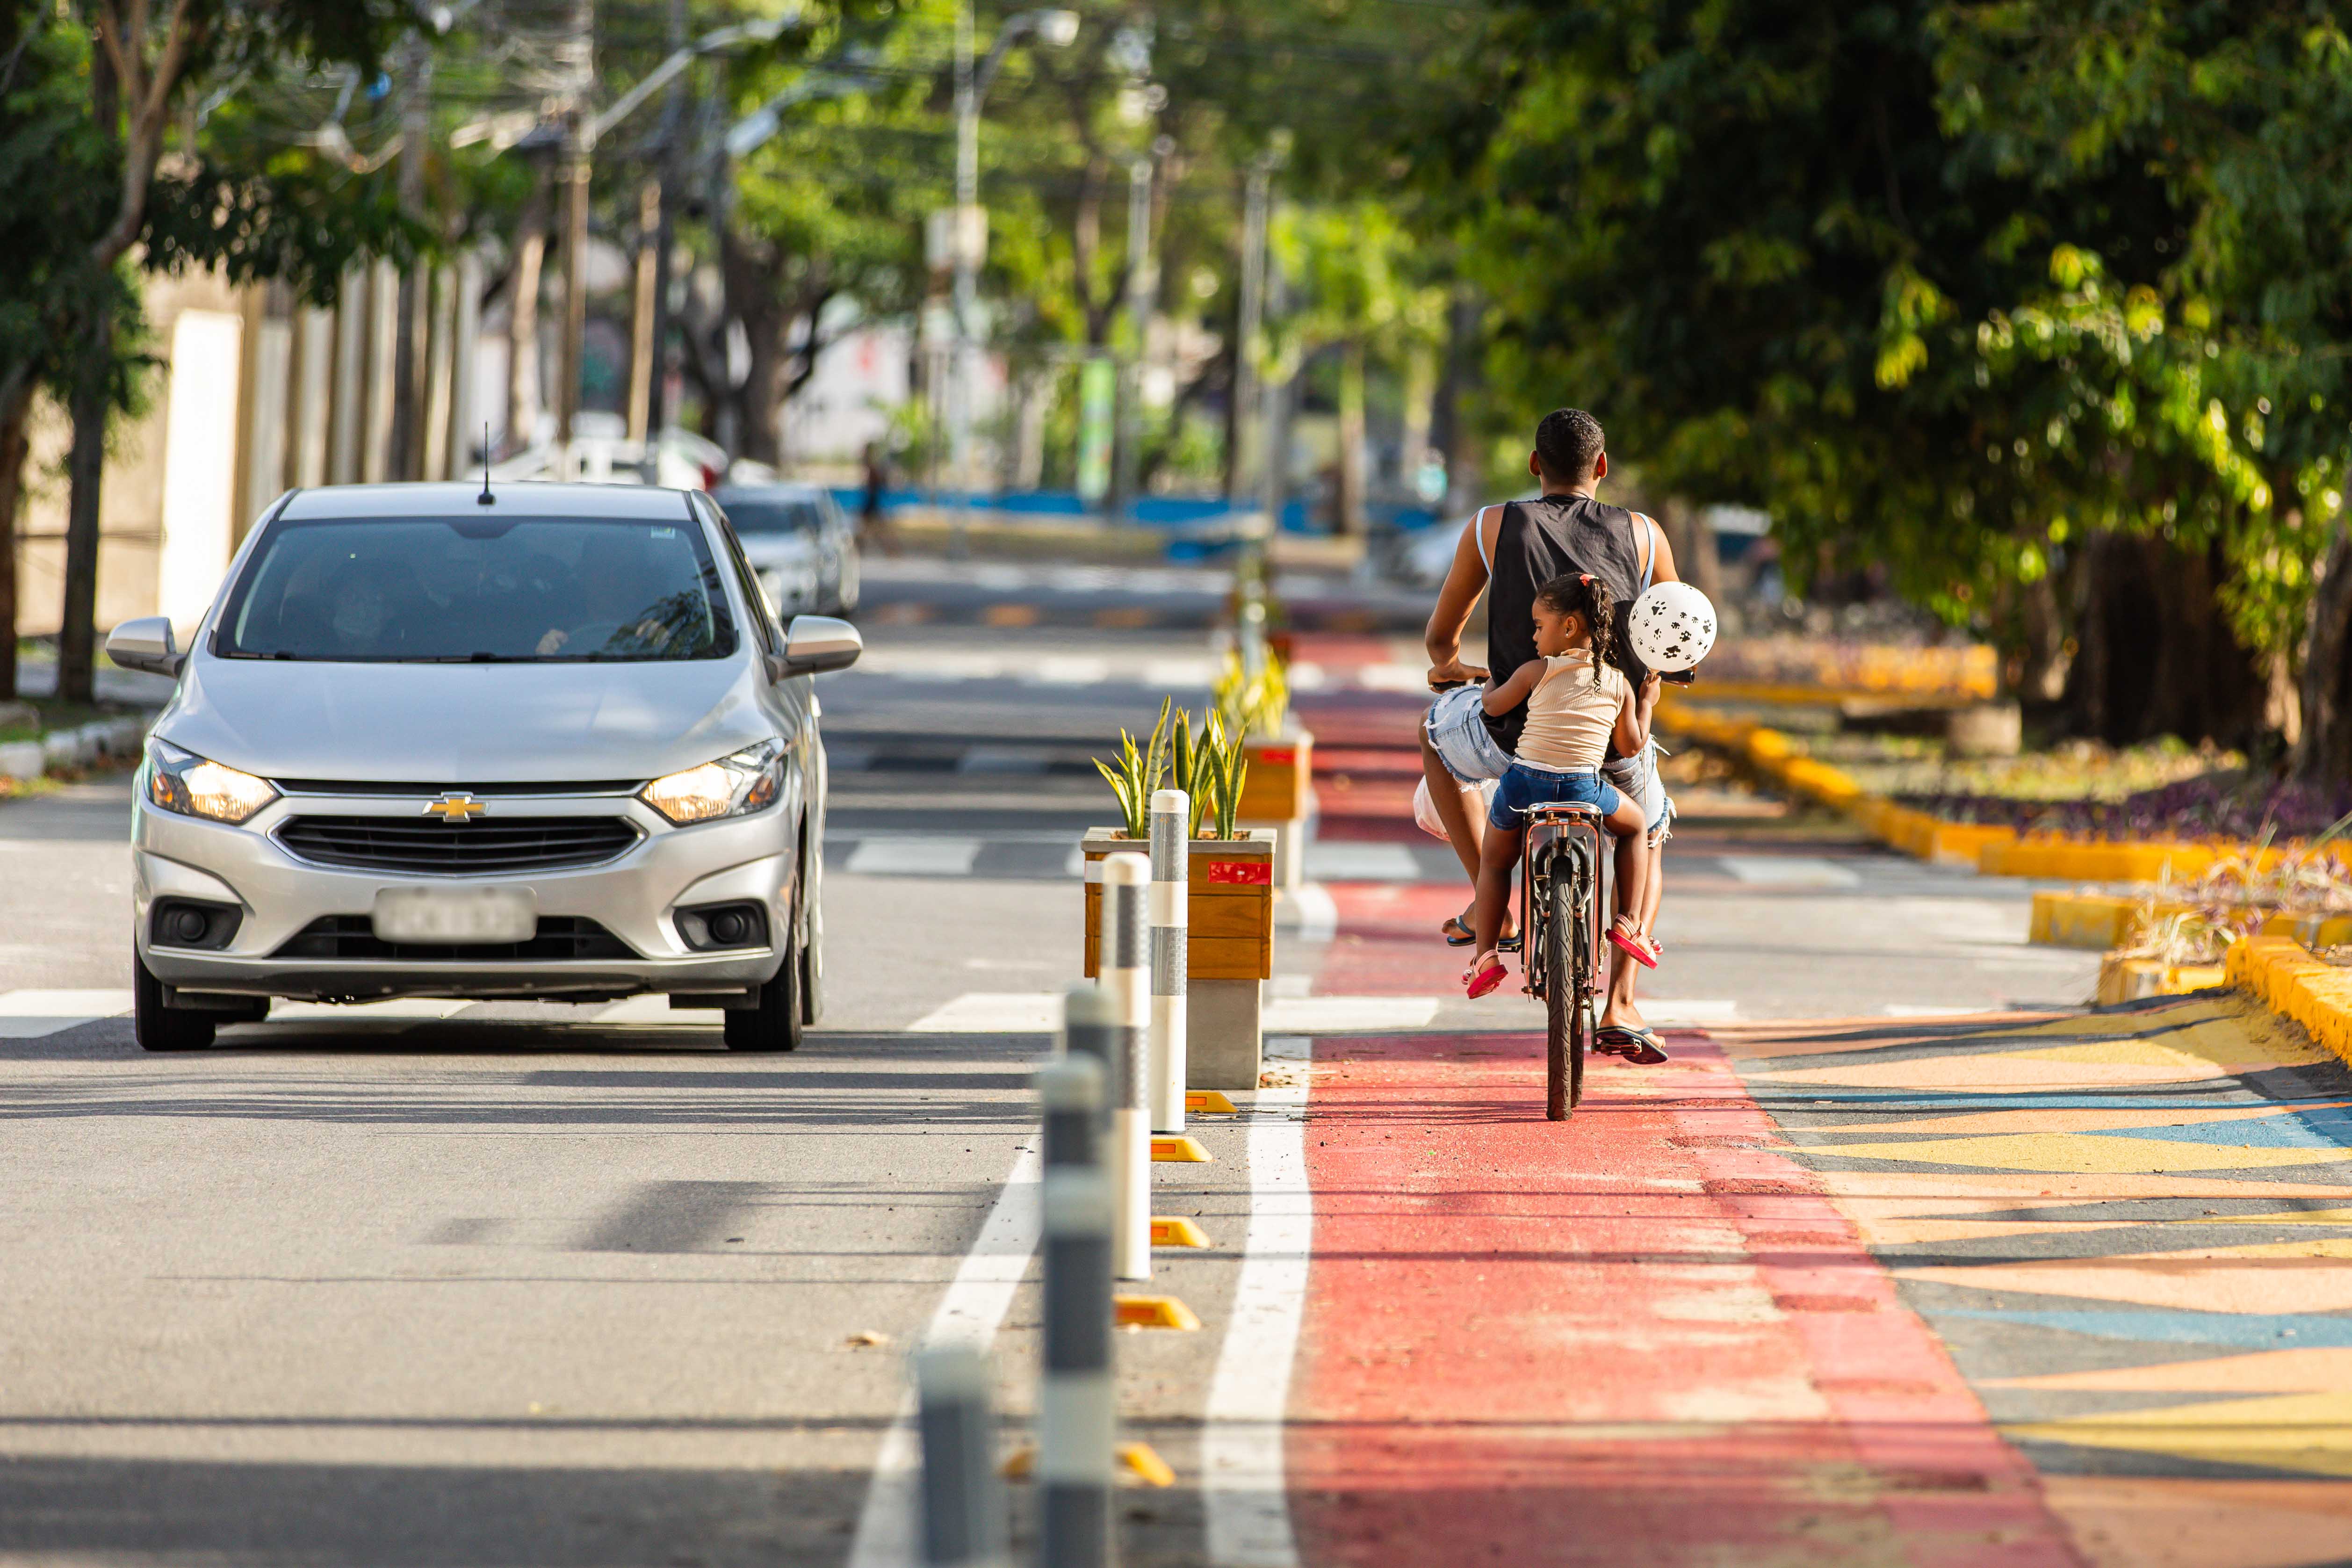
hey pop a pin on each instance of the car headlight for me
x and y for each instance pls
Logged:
(197, 786)
(735, 786)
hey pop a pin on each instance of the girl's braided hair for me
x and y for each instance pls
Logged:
(1580, 594)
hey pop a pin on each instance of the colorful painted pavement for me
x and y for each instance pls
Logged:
(2132, 1231)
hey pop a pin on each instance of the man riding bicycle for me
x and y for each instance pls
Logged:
(1509, 552)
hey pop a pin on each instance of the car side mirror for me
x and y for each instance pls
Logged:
(145, 644)
(815, 644)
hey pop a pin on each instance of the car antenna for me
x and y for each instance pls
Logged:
(486, 497)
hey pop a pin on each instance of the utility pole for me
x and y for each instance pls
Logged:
(1251, 323)
(657, 411)
(579, 148)
(1138, 314)
(1275, 473)
(407, 384)
(967, 195)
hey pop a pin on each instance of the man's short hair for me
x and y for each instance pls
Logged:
(1567, 443)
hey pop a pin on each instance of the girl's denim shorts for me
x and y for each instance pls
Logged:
(1524, 786)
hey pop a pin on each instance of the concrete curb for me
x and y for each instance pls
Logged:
(75, 747)
(2281, 972)
(2125, 979)
(2097, 922)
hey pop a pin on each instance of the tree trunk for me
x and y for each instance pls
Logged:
(2041, 671)
(522, 322)
(15, 441)
(1452, 429)
(1348, 496)
(2157, 655)
(2323, 751)
(77, 629)
(754, 293)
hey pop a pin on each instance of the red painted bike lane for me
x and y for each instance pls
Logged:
(1641, 1335)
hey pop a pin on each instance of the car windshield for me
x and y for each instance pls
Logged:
(464, 590)
(772, 514)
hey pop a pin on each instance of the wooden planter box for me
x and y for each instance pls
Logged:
(1229, 903)
(1281, 769)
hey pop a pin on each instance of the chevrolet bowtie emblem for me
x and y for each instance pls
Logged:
(454, 808)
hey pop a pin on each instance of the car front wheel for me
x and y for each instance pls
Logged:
(774, 1022)
(161, 1028)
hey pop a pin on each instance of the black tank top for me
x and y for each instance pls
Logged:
(1539, 540)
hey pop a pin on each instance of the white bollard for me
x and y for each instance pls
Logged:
(1170, 812)
(964, 1506)
(1124, 979)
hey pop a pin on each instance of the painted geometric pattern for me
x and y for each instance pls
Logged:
(2133, 1231)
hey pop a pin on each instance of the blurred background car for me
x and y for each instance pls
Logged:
(799, 541)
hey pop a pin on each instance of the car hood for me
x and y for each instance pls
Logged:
(466, 723)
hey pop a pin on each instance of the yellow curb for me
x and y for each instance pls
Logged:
(2289, 981)
(1143, 1463)
(1151, 1313)
(1178, 1231)
(2097, 922)
(1180, 1150)
(1207, 1102)
(2135, 979)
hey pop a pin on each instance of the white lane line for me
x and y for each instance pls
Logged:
(969, 1313)
(1245, 1489)
(993, 1013)
(1186, 672)
(1318, 916)
(657, 1010)
(1338, 862)
(1928, 1010)
(912, 857)
(398, 1008)
(1789, 872)
(1337, 1014)
(30, 1015)
(1067, 670)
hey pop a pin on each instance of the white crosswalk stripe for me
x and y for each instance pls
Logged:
(30, 1015)
(913, 858)
(1789, 872)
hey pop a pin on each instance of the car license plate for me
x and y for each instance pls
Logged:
(458, 916)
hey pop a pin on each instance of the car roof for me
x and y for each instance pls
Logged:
(521, 498)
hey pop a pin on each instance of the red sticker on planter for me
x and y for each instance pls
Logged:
(1287, 756)
(1249, 873)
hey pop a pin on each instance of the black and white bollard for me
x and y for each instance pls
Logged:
(1171, 870)
(1125, 976)
(963, 1503)
(1074, 1411)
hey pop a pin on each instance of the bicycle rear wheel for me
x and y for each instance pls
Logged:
(1563, 996)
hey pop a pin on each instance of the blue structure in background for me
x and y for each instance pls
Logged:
(1176, 512)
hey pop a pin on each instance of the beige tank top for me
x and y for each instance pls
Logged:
(1569, 719)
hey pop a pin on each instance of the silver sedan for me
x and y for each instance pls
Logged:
(536, 742)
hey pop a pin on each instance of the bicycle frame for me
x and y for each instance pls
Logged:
(1552, 829)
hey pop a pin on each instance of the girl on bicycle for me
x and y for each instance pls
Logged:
(1577, 702)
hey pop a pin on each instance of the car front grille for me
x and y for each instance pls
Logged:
(354, 936)
(476, 848)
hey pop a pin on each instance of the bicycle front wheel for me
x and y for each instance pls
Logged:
(1563, 997)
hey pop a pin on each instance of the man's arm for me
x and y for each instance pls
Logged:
(1662, 571)
(1465, 581)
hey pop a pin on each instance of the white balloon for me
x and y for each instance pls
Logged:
(1672, 626)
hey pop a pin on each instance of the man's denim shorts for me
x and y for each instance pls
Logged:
(1456, 728)
(1523, 787)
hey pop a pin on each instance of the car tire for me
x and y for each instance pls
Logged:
(160, 1028)
(774, 1022)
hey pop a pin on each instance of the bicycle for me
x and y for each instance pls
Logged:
(1563, 871)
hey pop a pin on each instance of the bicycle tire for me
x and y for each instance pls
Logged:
(1563, 1001)
(1579, 1021)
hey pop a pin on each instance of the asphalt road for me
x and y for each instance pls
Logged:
(525, 1284)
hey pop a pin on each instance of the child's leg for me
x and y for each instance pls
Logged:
(1632, 859)
(1498, 852)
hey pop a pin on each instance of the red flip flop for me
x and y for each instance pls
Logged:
(1631, 949)
(1481, 978)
